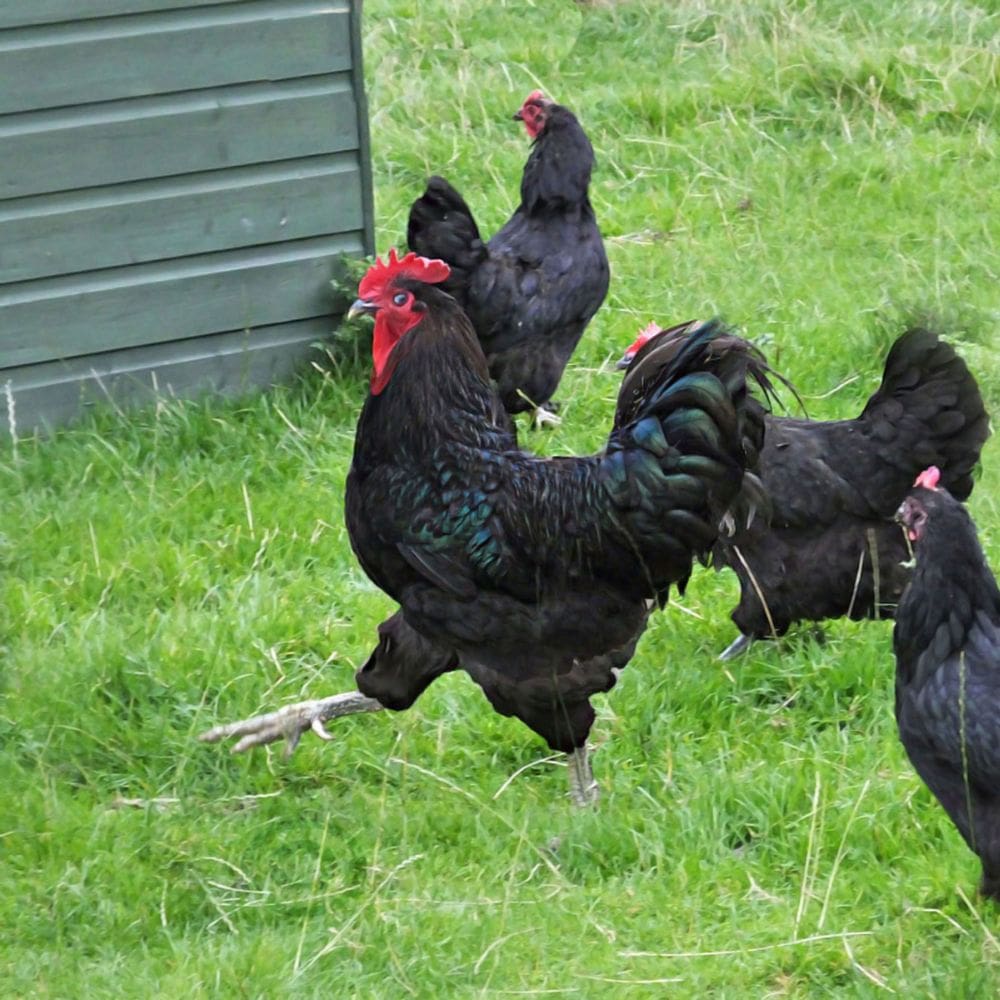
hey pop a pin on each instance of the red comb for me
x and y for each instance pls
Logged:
(645, 334)
(411, 266)
(535, 95)
(929, 478)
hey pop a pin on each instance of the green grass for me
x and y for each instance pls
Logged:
(813, 171)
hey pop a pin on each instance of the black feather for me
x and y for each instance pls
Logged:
(538, 574)
(532, 289)
(830, 549)
(947, 644)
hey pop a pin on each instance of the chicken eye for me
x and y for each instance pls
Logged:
(399, 299)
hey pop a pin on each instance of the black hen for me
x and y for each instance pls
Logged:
(831, 549)
(535, 575)
(947, 644)
(532, 289)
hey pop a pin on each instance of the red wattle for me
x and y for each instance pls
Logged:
(383, 341)
(387, 335)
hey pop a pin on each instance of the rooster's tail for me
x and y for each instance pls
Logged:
(687, 436)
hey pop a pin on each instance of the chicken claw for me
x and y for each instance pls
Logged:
(290, 722)
(544, 418)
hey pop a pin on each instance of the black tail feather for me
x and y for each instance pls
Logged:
(929, 405)
(687, 437)
(442, 226)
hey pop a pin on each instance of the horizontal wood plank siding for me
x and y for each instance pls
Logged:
(161, 137)
(150, 303)
(55, 392)
(20, 13)
(173, 172)
(195, 213)
(67, 65)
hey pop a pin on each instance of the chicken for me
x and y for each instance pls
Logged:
(831, 548)
(534, 575)
(947, 644)
(533, 288)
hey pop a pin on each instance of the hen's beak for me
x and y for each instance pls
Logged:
(904, 513)
(625, 360)
(517, 117)
(361, 307)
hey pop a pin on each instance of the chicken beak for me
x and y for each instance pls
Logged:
(517, 117)
(624, 361)
(902, 511)
(361, 307)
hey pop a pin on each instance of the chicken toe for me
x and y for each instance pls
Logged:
(543, 417)
(290, 722)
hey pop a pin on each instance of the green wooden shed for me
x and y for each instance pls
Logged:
(177, 181)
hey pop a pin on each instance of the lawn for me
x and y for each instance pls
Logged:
(814, 171)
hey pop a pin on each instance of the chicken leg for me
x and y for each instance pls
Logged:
(290, 722)
(583, 788)
(739, 645)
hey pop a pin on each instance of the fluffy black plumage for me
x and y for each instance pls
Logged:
(947, 644)
(831, 549)
(532, 289)
(536, 575)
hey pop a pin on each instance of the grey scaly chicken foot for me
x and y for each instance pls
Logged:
(544, 418)
(544, 415)
(290, 722)
(583, 788)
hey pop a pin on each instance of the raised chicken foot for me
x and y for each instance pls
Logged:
(290, 722)
(583, 788)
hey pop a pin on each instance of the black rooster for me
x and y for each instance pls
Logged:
(534, 575)
(831, 548)
(533, 288)
(947, 644)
